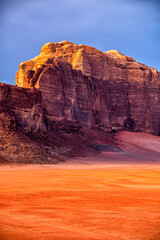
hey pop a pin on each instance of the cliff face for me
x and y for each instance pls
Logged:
(83, 85)
(24, 105)
(72, 97)
(28, 134)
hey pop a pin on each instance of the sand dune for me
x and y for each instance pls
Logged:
(139, 143)
(139, 148)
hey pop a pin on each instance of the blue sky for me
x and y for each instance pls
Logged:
(130, 26)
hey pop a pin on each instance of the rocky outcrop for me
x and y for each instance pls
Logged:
(70, 99)
(24, 105)
(83, 85)
(28, 135)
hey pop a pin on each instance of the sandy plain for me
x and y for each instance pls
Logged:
(112, 196)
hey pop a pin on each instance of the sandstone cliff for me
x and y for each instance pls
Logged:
(70, 98)
(27, 135)
(105, 90)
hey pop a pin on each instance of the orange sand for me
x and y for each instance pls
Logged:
(112, 196)
(109, 202)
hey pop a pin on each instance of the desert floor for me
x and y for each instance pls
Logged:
(112, 196)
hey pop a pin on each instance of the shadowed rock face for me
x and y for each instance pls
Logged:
(24, 105)
(105, 90)
(71, 97)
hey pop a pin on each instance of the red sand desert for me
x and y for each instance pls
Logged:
(112, 196)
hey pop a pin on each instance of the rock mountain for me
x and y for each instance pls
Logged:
(70, 98)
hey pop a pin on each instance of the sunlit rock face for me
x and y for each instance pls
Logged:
(71, 98)
(83, 85)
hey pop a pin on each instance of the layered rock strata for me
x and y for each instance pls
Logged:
(70, 99)
(83, 85)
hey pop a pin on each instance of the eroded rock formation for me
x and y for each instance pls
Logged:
(72, 96)
(80, 83)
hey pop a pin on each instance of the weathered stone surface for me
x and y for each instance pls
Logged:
(82, 84)
(71, 97)
(29, 135)
(25, 105)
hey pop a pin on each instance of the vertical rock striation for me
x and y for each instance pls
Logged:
(83, 85)
(70, 99)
